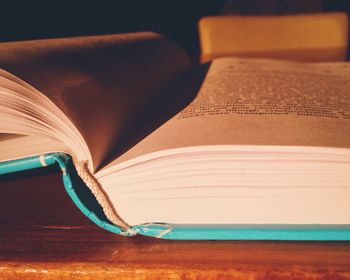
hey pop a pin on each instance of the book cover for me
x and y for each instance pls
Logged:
(175, 231)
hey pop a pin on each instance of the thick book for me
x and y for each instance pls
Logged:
(231, 149)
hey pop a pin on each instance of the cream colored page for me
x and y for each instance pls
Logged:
(14, 146)
(102, 83)
(261, 102)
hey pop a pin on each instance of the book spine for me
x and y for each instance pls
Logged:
(63, 160)
(97, 190)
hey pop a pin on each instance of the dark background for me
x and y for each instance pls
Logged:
(177, 19)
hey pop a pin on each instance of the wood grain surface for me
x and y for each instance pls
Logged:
(87, 252)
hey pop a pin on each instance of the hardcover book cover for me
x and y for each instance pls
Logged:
(90, 208)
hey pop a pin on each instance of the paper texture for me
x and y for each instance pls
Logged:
(261, 102)
(104, 84)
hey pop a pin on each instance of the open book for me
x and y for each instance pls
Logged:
(226, 149)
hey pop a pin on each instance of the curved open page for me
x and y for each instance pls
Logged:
(103, 84)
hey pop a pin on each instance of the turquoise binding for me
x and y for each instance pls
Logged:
(182, 232)
(62, 160)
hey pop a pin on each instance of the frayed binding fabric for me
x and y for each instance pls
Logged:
(98, 192)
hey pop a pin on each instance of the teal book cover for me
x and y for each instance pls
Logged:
(88, 205)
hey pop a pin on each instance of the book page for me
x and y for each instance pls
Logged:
(104, 84)
(15, 146)
(261, 102)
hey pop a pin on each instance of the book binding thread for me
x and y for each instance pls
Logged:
(95, 187)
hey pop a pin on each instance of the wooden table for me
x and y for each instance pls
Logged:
(43, 236)
(87, 252)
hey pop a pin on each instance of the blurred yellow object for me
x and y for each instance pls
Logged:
(309, 37)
